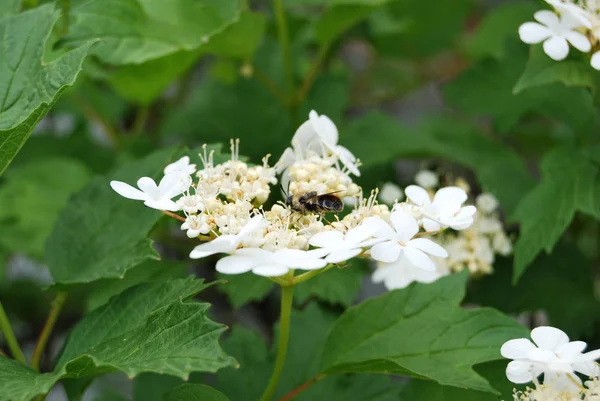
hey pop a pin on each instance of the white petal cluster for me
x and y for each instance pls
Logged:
(571, 23)
(223, 208)
(556, 357)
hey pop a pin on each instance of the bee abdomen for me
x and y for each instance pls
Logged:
(331, 203)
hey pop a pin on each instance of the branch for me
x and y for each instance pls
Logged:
(292, 394)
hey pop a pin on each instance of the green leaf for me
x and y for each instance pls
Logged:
(542, 70)
(136, 31)
(143, 83)
(310, 328)
(21, 383)
(239, 40)
(147, 328)
(152, 386)
(486, 90)
(24, 224)
(498, 168)
(99, 234)
(570, 183)
(243, 288)
(194, 392)
(99, 292)
(421, 332)
(497, 26)
(8, 7)
(337, 286)
(341, 16)
(565, 271)
(30, 85)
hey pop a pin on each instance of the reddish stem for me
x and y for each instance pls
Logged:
(175, 216)
(292, 394)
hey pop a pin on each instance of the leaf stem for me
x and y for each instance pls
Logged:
(141, 118)
(40, 345)
(93, 115)
(284, 43)
(287, 296)
(175, 216)
(292, 394)
(9, 335)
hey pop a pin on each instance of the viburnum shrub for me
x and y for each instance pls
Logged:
(299, 200)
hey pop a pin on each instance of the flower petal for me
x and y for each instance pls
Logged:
(342, 255)
(388, 251)
(520, 372)
(163, 204)
(382, 230)
(556, 47)
(464, 212)
(579, 41)
(419, 258)
(348, 159)
(405, 225)
(287, 159)
(127, 191)
(173, 184)
(417, 195)
(235, 264)
(430, 225)
(428, 246)
(270, 270)
(547, 17)
(533, 33)
(517, 348)
(570, 350)
(148, 186)
(549, 338)
(596, 60)
(222, 244)
(327, 239)
(304, 136)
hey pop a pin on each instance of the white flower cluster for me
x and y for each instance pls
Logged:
(224, 209)
(573, 22)
(477, 238)
(556, 357)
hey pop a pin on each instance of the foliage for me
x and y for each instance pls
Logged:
(92, 283)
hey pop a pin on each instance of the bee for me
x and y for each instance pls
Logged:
(314, 202)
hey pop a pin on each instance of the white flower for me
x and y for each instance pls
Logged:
(317, 135)
(191, 203)
(486, 202)
(402, 272)
(398, 242)
(196, 225)
(339, 247)
(596, 60)
(270, 264)
(228, 243)
(445, 210)
(555, 33)
(390, 193)
(573, 10)
(552, 354)
(157, 197)
(427, 179)
(182, 165)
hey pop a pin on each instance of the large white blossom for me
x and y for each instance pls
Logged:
(401, 273)
(156, 196)
(551, 354)
(230, 242)
(445, 210)
(268, 263)
(182, 165)
(398, 241)
(556, 33)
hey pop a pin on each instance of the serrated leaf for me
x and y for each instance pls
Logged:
(499, 169)
(309, 330)
(24, 223)
(136, 31)
(565, 271)
(337, 286)
(243, 288)
(99, 234)
(570, 183)
(149, 328)
(542, 70)
(21, 383)
(420, 331)
(194, 392)
(30, 85)
(497, 26)
(99, 292)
